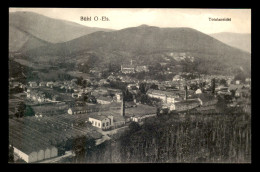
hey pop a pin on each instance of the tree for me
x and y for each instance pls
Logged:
(128, 96)
(79, 148)
(213, 85)
(24, 110)
(223, 82)
(79, 81)
(153, 86)
(133, 127)
(142, 88)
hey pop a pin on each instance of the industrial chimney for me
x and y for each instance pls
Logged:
(186, 94)
(123, 105)
(213, 85)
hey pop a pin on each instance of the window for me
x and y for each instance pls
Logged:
(95, 123)
(103, 124)
(107, 124)
(99, 124)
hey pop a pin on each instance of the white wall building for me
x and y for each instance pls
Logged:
(102, 121)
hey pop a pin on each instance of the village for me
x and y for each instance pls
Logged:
(60, 111)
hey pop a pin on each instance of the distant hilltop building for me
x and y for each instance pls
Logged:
(126, 69)
(142, 69)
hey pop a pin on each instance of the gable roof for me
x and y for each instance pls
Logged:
(204, 97)
(187, 102)
(162, 93)
(98, 116)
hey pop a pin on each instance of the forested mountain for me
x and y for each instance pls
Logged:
(29, 30)
(154, 44)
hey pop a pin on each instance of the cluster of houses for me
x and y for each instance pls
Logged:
(40, 96)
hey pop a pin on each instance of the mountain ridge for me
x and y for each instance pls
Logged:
(30, 25)
(152, 44)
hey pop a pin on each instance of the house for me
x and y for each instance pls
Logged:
(56, 98)
(74, 95)
(42, 84)
(118, 97)
(126, 69)
(32, 84)
(238, 82)
(133, 86)
(177, 78)
(77, 110)
(185, 105)
(198, 91)
(101, 121)
(50, 84)
(15, 84)
(104, 100)
(141, 117)
(22, 86)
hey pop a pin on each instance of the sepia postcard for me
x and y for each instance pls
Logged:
(129, 85)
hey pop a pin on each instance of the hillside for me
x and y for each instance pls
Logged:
(37, 30)
(20, 40)
(144, 40)
(152, 43)
(237, 40)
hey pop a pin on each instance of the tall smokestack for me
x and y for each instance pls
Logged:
(186, 94)
(213, 85)
(123, 105)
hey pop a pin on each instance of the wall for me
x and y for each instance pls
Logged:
(47, 153)
(95, 122)
(33, 157)
(40, 155)
(54, 152)
(163, 98)
(21, 154)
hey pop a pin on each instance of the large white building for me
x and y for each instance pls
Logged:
(185, 105)
(101, 121)
(33, 151)
(165, 96)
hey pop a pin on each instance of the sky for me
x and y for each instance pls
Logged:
(120, 18)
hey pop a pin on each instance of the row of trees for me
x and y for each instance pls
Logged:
(212, 138)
